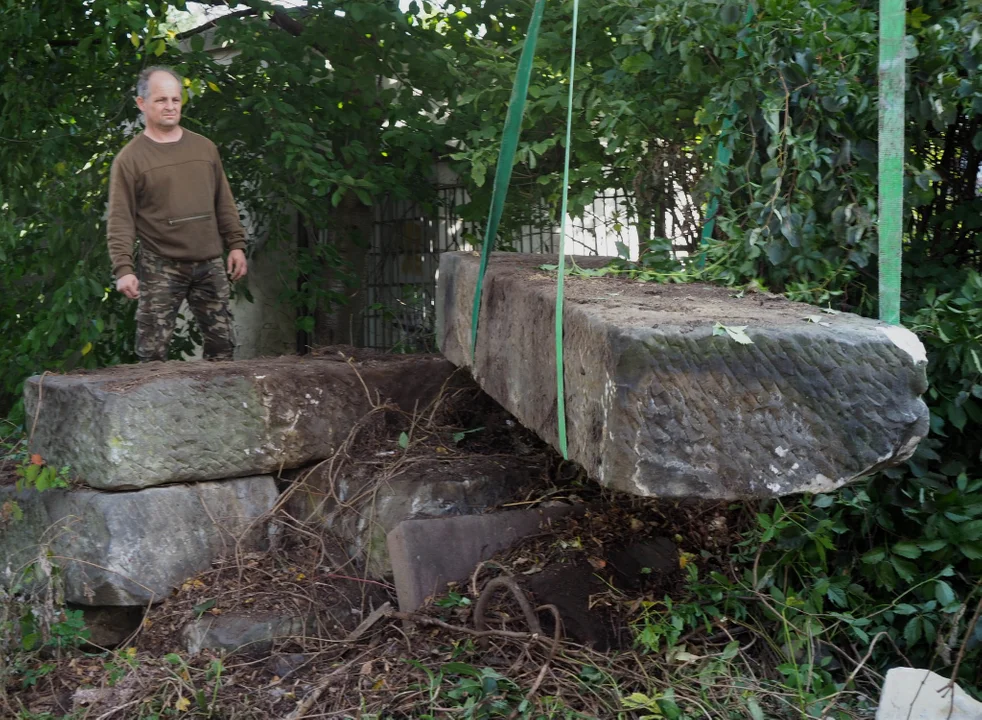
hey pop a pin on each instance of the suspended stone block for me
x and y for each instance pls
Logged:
(133, 548)
(136, 426)
(663, 398)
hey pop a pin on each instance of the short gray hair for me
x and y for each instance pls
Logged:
(143, 81)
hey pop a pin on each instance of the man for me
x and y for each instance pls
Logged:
(168, 187)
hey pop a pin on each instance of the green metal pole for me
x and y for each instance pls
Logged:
(560, 363)
(891, 155)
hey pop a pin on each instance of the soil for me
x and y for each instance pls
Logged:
(630, 303)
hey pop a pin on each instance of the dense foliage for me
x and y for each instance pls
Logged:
(791, 92)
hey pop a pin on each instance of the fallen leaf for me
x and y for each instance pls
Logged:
(684, 656)
(182, 704)
(735, 332)
(36, 459)
(597, 563)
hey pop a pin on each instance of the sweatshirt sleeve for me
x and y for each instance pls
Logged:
(226, 212)
(121, 223)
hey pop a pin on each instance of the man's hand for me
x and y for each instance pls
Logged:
(129, 286)
(237, 265)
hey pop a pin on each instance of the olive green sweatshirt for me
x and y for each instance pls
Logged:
(175, 198)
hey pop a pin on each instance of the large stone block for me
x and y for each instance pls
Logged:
(429, 553)
(135, 426)
(916, 694)
(657, 403)
(365, 502)
(133, 548)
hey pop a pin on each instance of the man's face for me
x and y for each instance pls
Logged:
(162, 108)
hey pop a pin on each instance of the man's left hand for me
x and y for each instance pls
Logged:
(237, 265)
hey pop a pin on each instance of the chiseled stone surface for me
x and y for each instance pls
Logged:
(916, 694)
(133, 548)
(428, 553)
(135, 426)
(365, 505)
(657, 403)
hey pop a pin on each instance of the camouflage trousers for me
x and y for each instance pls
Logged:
(164, 284)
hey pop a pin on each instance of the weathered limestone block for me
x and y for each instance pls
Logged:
(234, 631)
(136, 426)
(366, 503)
(659, 404)
(428, 553)
(133, 548)
(916, 694)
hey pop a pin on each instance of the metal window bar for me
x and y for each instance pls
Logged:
(400, 281)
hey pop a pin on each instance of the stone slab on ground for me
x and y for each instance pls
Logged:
(133, 548)
(234, 631)
(428, 553)
(367, 501)
(915, 694)
(658, 402)
(134, 426)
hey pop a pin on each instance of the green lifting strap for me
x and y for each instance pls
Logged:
(506, 157)
(560, 379)
(891, 155)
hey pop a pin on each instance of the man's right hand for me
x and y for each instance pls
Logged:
(129, 286)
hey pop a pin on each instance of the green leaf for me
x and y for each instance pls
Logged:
(635, 63)
(823, 501)
(943, 593)
(159, 47)
(669, 708)
(731, 650)
(460, 668)
(876, 555)
(203, 607)
(956, 415)
(907, 549)
(912, 631)
(403, 440)
(905, 569)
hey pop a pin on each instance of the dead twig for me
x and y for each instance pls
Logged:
(433, 622)
(504, 581)
(325, 682)
(366, 624)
